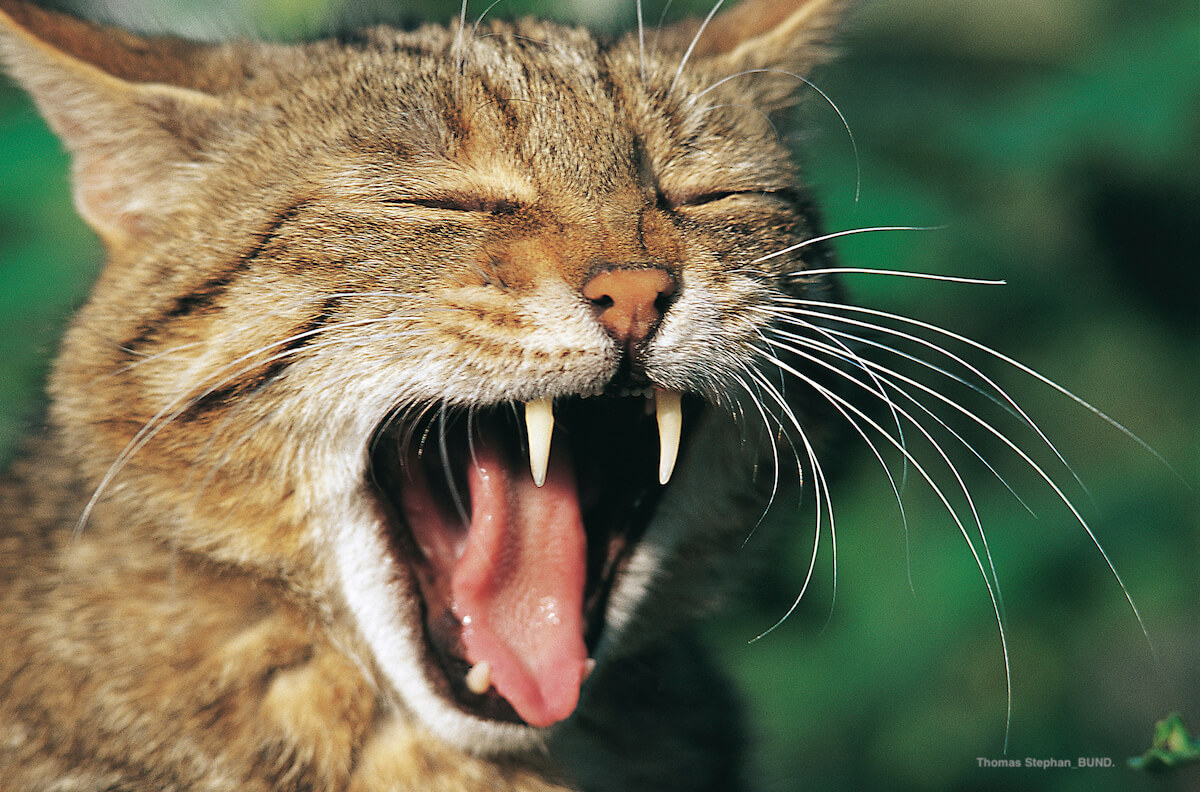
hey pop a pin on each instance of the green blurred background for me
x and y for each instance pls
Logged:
(1057, 145)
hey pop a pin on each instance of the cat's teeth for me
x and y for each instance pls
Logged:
(668, 407)
(479, 678)
(539, 423)
(589, 667)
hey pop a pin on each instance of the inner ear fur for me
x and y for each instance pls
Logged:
(129, 109)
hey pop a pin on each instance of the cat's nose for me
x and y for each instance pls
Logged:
(630, 302)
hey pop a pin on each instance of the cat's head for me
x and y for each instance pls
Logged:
(359, 289)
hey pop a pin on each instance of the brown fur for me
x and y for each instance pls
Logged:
(292, 232)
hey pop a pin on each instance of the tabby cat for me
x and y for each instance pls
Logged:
(425, 395)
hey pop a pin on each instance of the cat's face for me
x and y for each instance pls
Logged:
(413, 323)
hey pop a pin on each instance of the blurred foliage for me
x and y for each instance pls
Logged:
(1056, 146)
(1172, 747)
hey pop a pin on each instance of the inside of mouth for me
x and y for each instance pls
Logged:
(511, 574)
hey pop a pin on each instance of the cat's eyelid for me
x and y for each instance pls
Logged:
(702, 198)
(458, 203)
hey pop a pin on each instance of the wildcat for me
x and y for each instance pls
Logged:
(428, 391)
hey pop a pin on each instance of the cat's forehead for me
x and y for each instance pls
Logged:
(533, 106)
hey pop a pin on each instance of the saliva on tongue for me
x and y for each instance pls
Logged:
(518, 586)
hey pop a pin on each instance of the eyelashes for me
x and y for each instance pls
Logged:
(476, 204)
(467, 204)
(711, 197)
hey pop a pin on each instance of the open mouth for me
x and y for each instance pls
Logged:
(514, 522)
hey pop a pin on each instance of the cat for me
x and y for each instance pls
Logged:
(430, 391)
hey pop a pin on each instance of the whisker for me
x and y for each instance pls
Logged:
(1053, 485)
(879, 390)
(992, 586)
(974, 370)
(858, 362)
(444, 453)
(662, 18)
(692, 46)
(838, 234)
(173, 409)
(898, 273)
(821, 494)
(825, 96)
(460, 55)
(885, 372)
(479, 19)
(776, 468)
(751, 108)
(888, 373)
(923, 363)
(824, 349)
(234, 332)
(1023, 368)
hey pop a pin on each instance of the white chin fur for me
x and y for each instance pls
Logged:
(376, 593)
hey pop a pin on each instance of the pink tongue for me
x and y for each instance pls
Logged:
(518, 587)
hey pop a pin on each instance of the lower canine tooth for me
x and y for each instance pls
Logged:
(668, 407)
(539, 424)
(479, 678)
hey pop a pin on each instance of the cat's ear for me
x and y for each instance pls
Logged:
(129, 109)
(763, 36)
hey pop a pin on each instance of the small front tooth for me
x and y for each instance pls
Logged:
(479, 678)
(539, 423)
(668, 405)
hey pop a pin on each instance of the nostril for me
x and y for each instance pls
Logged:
(603, 301)
(630, 302)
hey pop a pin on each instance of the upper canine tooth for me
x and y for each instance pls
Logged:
(539, 423)
(668, 407)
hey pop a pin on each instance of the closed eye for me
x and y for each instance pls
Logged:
(706, 198)
(715, 196)
(460, 203)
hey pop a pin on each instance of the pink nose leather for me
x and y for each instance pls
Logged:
(628, 301)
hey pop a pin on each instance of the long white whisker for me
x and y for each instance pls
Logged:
(775, 464)
(919, 361)
(837, 235)
(821, 495)
(479, 19)
(887, 374)
(950, 510)
(695, 40)
(234, 332)
(766, 117)
(173, 409)
(662, 18)
(1041, 473)
(813, 311)
(898, 273)
(884, 372)
(850, 357)
(460, 55)
(825, 96)
(1020, 367)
